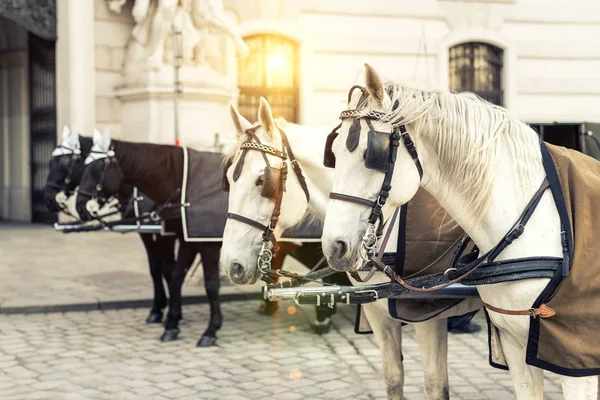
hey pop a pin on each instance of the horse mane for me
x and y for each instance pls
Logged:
(466, 133)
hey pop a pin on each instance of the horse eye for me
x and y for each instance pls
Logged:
(365, 155)
(260, 180)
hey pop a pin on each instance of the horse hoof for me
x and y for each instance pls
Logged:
(169, 335)
(154, 318)
(321, 327)
(268, 308)
(206, 341)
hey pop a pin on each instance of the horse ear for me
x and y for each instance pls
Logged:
(265, 117)
(106, 139)
(241, 123)
(65, 132)
(97, 137)
(374, 85)
(74, 139)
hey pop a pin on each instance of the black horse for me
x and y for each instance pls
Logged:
(157, 170)
(64, 176)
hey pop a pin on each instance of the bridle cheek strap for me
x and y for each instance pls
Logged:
(412, 150)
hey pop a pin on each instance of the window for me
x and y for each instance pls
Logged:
(270, 71)
(477, 68)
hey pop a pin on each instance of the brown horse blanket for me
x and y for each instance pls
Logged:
(569, 342)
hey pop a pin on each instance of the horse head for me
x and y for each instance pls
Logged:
(102, 177)
(258, 173)
(376, 169)
(66, 169)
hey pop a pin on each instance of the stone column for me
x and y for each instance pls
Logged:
(75, 65)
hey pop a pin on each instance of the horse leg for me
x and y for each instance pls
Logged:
(584, 388)
(155, 262)
(185, 258)
(388, 334)
(210, 253)
(528, 380)
(432, 337)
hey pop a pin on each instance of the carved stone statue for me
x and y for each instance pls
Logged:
(152, 36)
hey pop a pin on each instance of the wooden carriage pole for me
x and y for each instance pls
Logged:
(176, 82)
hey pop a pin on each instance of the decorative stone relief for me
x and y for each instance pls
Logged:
(37, 16)
(199, 22)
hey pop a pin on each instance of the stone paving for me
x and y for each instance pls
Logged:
(42, 268)
(114, 355)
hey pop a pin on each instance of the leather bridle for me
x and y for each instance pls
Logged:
(64, 192)
(399, 132)
(97, 198)
(269, 244)
(462, 266)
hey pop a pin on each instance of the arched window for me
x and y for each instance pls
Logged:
(270, 71)
(477, 67)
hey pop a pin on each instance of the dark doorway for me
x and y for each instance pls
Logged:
(42, 121)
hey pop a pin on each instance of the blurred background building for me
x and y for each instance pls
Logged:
(110, 64)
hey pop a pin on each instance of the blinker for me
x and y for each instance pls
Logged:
(353, 135)
(273, 181)
(328, 156)
(377, 155)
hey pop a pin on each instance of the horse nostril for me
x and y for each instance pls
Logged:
(341, 248)
(237, 270)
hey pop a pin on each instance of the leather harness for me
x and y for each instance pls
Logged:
(458, 272)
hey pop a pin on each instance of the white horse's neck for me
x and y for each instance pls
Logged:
(307, 145)
(508, 200)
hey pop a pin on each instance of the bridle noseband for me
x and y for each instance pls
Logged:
(271, 190)
(399, 132)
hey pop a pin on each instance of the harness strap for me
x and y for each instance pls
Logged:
(386, 238)
(247, 221)
(295, 165)
(543, 311)
(412, 150)
(518, 229)
(352, 199)
(475, 264)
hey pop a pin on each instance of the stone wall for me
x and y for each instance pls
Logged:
(551, 48)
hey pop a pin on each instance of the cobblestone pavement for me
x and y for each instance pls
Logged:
(113, 355)
(42, 267)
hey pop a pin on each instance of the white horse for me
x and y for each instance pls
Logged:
(483, 166)
(241, 242)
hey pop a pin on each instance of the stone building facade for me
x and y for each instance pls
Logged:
(538, 58)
